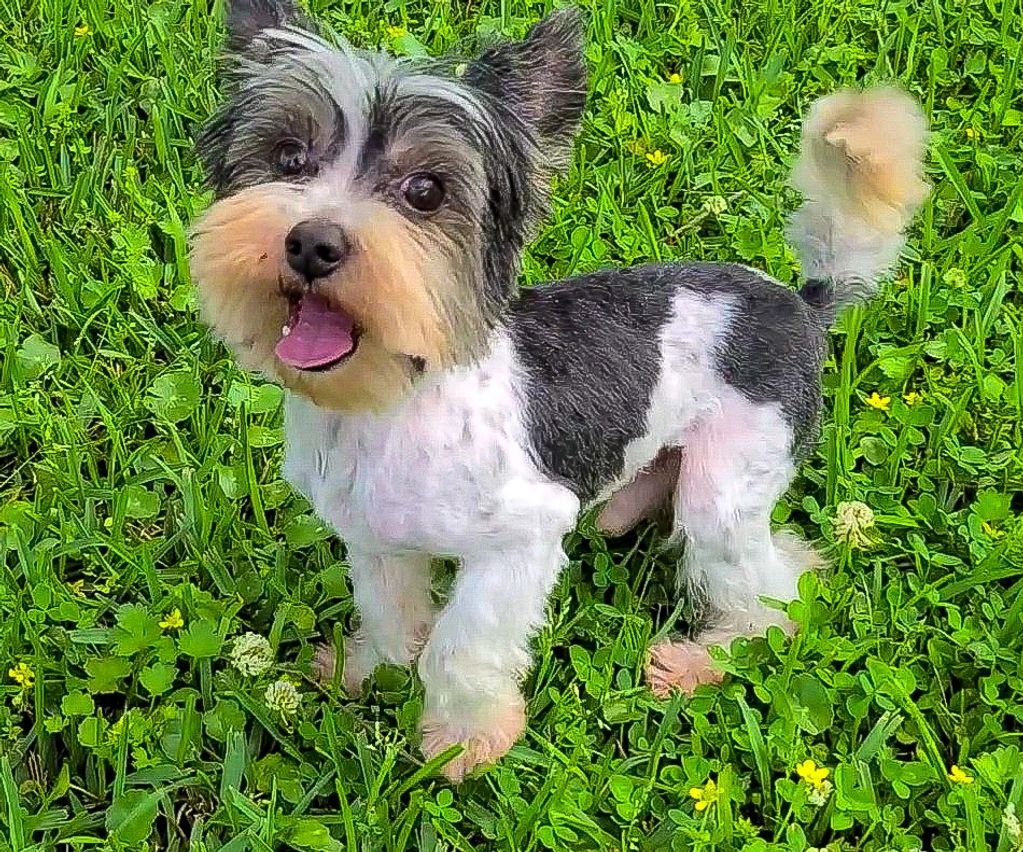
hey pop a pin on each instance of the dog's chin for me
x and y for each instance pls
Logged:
(367, 377)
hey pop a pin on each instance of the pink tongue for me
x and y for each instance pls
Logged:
(320, 335)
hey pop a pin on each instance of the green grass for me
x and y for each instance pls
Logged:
(140, 469)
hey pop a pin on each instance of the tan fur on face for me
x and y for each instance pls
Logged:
(236, 257)
(400, 283)
(863, 152)
(402, 294)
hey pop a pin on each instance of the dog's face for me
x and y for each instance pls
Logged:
(371, 214)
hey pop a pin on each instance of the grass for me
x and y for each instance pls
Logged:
(139, 469)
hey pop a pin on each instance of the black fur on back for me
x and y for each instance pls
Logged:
(590, 350)
(775, 345)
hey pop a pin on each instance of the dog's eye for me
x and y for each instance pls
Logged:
(291, 156)
(423, 192)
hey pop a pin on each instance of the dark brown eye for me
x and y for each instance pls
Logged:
(291, 156)
(423, 192)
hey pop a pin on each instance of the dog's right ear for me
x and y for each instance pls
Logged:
(246, 19)
(541, 78)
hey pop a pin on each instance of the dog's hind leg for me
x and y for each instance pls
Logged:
(649, 492)
(735, 465)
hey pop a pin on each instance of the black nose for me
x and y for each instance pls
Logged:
(315, 248)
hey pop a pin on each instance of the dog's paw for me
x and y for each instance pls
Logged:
(483, 743)
(359, 664)
(324, 662)
(361, 659)
(679, 667)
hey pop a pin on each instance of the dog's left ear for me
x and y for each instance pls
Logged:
(542, 79)
(246, 19)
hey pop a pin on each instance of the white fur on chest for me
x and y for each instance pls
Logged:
(443, 474)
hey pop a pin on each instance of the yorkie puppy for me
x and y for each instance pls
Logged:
(364, 252)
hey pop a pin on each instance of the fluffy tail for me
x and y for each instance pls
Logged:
(860, 170)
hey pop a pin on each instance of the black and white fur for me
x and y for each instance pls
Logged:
(693, 384)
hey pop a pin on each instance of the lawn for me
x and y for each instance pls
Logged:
(144, 525)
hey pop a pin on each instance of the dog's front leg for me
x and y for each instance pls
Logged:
(392, 596)
(479, 650)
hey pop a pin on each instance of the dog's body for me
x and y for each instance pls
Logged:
(436, 410)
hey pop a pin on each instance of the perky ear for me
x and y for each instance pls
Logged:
(246, 19)
(542, 79)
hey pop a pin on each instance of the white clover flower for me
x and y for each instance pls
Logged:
(1012, 826)
(282, 697)
(954, 278)
(251, 655)
(853, 522)
(818, 794)
(715, 205)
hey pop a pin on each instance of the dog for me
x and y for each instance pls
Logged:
(363, 250)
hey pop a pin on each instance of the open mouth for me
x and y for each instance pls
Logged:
(317, 336)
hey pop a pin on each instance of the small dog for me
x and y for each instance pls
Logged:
(364, 252)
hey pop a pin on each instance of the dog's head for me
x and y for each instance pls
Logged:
(370, 213)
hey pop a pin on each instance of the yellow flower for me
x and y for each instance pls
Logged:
(991, 532)
(657, 158)
(881, 403)
(912, 398)
(82, 30)
(77, 587)
(957, 776)
(173, 620)
(813, 774)
(704, 796)
(675, 78)
(22, 675)
(971, 133)
(395, 32)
